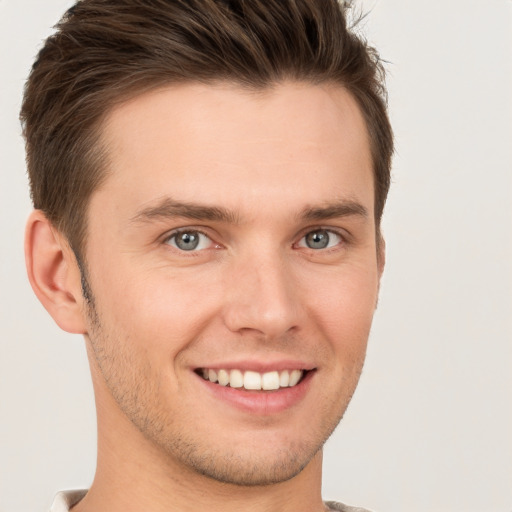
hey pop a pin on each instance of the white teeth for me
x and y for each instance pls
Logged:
(223, 377)
(270, 381)
(284, 379)
(251, 380)
(295, 376)
(236, 379)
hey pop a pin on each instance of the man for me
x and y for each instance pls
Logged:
(208, 180)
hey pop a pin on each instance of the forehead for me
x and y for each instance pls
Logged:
(221, 144)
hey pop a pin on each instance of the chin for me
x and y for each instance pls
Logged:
(253, 458)
(250, 471)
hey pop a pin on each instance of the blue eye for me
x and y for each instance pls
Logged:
(320, 239)
(189, 240)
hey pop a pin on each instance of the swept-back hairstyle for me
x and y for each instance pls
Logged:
(106, 51)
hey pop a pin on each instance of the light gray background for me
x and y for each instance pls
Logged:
(430, 427)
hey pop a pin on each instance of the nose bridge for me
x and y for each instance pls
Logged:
(262, 295)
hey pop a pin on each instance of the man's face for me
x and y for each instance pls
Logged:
(234, 238)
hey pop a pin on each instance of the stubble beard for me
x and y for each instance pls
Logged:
(135, 392)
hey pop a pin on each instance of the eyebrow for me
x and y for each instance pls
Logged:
(169, 208)
(334, 210)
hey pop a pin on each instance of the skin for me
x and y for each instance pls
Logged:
(279, 163)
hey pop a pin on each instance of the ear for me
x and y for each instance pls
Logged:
(54, 274)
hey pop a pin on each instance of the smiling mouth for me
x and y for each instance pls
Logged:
(253, 381)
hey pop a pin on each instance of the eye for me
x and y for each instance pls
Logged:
(320, 239)
(189, 240)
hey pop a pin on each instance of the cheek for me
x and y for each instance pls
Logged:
(160, 313)
(344, 308)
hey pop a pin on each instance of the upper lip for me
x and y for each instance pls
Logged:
(259, 366)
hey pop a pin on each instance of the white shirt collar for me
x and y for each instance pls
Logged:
(64, 500)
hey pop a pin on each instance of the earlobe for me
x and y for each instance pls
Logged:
(53, 273)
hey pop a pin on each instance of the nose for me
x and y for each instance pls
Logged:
(261, 297)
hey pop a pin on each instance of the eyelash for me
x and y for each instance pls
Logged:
(175, 234)
(330, 232)
(342, 239)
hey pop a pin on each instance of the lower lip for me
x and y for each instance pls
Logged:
(260, 402)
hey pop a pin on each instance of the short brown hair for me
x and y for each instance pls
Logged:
(105, 51)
